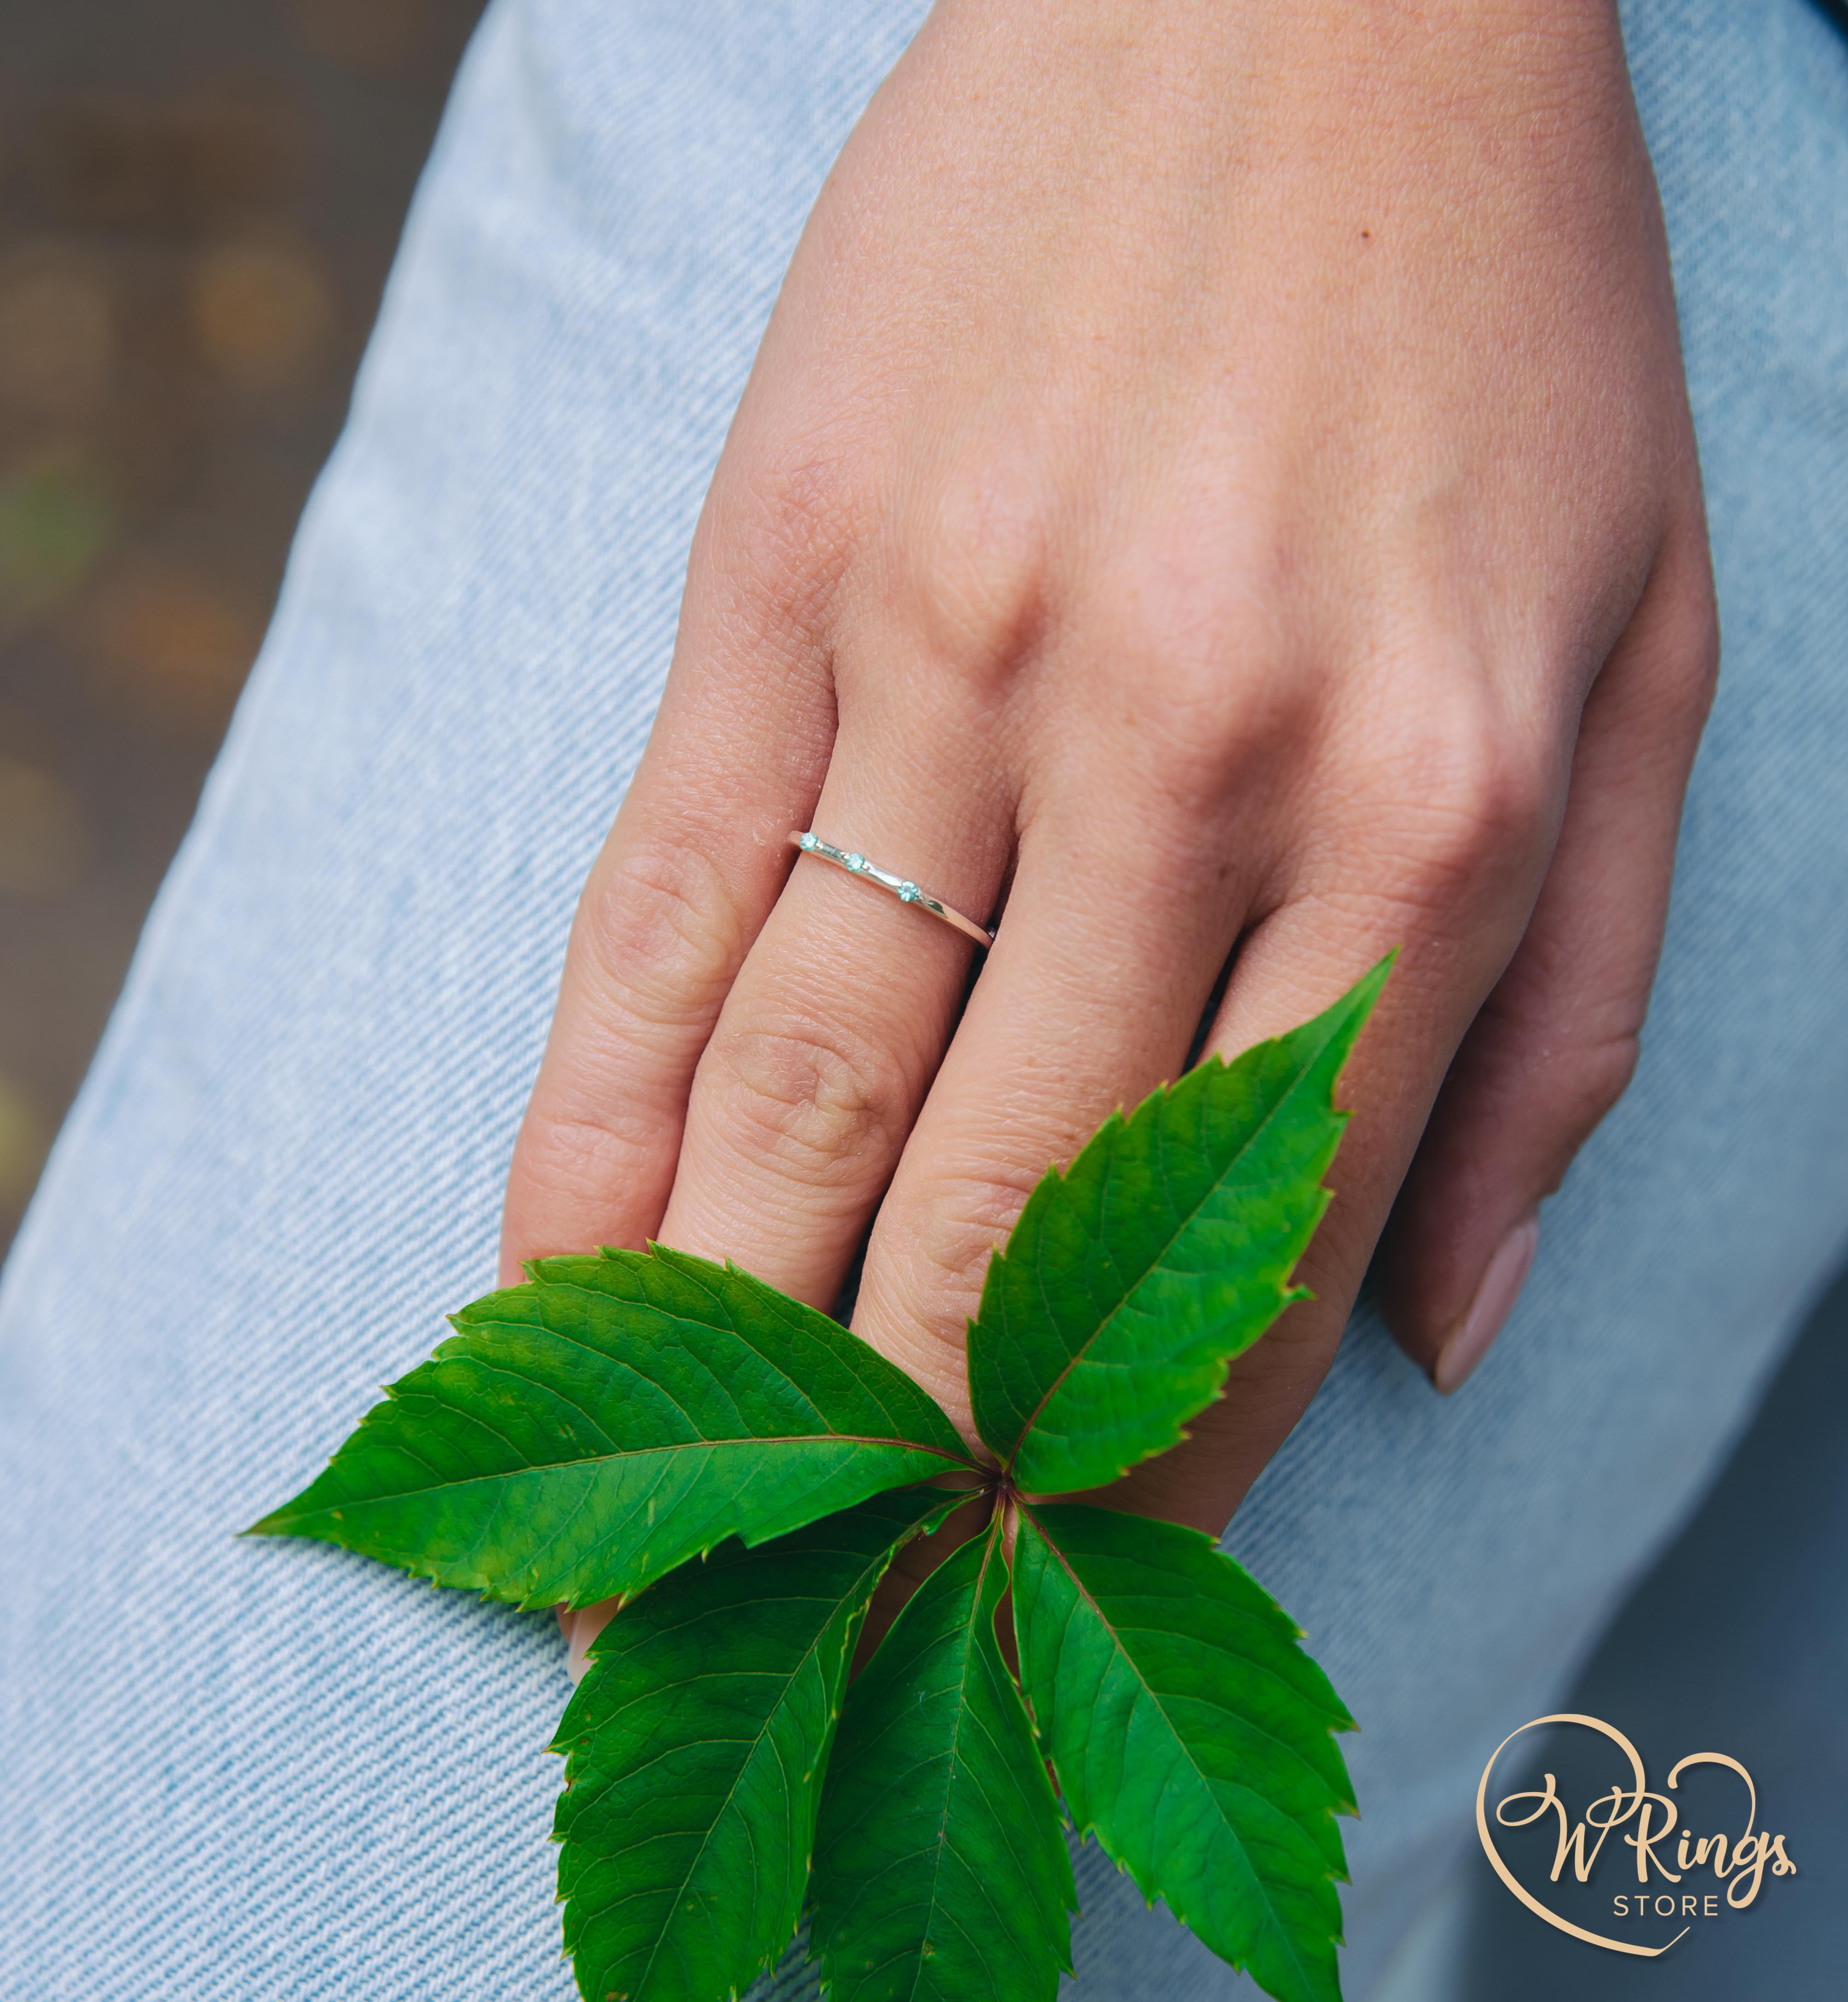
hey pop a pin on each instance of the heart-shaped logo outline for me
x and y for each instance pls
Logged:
(1507, 1876)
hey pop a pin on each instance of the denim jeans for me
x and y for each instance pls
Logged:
(247, 1770)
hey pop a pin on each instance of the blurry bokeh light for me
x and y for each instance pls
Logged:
(261, 312)
(56, 516)
(168, 637)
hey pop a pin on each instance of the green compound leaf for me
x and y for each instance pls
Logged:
(1132, 1280)
(941, 1872)
(696, 1749)
(586, 1433)
(1190, 1733)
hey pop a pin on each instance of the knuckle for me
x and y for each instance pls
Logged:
(1605, 1068)
(1573, 1089)
(1197, 724)
(831, 1108)
(1212, 688)
(780, 533)
(1675, 672)
(968, 1220)
(1204, 715)
(1701, 652)
(1551, 1064)
(948, 1232)
(1471, 802)
(971, 570)
(663, 931)
(575, 1156)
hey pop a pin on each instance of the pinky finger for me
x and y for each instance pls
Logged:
(1554, 1047)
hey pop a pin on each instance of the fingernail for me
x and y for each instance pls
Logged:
(1495, 1296)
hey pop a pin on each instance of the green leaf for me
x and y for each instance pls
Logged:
(1190, 1733)
(586, 1433)
(696, 1749)
(1132, 1280)
(941, 1871)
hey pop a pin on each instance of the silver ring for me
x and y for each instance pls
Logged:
(901, 887)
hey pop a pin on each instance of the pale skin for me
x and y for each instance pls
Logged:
(1217, 485)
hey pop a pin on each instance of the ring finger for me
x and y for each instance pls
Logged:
(834, 1028)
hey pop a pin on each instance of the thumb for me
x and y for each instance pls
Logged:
(1554, 1046)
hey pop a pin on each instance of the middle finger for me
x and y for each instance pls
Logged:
(1119, 921)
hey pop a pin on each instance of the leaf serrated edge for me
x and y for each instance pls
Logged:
(926, 1526)
(1358, 1003)
(1152, 1893)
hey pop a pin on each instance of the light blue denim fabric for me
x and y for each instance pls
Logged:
(251, 1770)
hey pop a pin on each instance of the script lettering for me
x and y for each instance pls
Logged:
(1739, 1863)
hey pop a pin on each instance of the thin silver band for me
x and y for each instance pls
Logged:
(902, 888)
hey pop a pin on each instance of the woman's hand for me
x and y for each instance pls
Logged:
(1215, 478)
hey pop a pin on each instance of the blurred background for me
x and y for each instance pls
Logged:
(199, 201)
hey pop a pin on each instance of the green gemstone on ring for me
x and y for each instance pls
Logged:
(805, 841)
(856, 863)
(908, 893)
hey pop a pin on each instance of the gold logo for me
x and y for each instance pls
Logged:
(1705, 1870)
